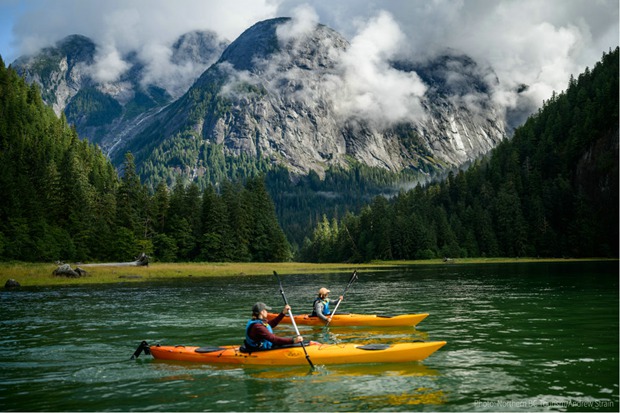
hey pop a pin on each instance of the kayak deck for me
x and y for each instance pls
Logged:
(348, 353)
(350, 319)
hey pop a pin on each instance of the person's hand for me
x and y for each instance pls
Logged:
(299, 339)
(340, 298)
(286, 309)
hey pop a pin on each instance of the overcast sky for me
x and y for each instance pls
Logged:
(535, 42)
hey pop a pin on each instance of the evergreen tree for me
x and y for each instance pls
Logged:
(216, 239)
(267, 241)
(239, 212)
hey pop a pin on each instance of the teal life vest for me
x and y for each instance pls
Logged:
(325, 302)
(255, 345)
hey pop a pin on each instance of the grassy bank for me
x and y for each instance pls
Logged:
(40, 274)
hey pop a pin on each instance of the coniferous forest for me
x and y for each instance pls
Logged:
(61, 199)
(550, 191)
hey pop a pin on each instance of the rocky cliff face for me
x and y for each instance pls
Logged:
(462, 124)
(283, 99)
(290, 99)
(59, 71)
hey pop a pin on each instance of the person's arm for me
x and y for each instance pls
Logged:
(275, 321)
(260, 332)
(334, 303)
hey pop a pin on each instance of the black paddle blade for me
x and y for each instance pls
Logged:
(144, 346)
(353, 277)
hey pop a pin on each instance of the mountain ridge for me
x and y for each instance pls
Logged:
(277, 107)
(285, 100)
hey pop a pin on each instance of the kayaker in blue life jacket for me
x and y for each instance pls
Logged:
(259, 333)
(320, 307)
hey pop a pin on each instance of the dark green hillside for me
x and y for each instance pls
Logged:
(63, 200)
(55, 201)
(551, 191)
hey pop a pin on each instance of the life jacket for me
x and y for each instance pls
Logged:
(325, 302)
(257, 345)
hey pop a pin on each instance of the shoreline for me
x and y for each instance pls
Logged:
(40, 274)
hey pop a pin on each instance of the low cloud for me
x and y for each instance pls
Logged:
(372, 89)
(146, 29)
(108, 66)
(526, 42)
(303, 22)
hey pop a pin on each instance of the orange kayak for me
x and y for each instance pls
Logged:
(345, 319)
(348, 353)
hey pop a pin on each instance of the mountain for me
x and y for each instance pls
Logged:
(104, 110)
(279, 101)
(271, 100)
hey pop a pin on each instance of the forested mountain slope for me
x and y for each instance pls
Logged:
(551, 191)
(63, 200)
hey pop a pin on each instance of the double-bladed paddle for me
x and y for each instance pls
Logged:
(293, 320)
(351, 281)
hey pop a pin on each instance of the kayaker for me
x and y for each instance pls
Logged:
(259, 333)
(320, 307)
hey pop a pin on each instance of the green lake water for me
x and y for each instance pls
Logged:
(521, 337)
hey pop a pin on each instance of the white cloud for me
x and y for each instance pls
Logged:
(372, 89)
(147, 28)
(302, 23)
(109, 65)
(539, 43)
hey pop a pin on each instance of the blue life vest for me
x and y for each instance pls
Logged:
(264, 344)
(325, 302)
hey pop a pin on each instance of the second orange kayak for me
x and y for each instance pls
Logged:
(350, 319)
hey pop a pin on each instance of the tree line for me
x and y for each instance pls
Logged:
(550, 191)
(62, 199)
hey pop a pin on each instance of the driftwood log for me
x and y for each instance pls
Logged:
(141, 260)
(67, 271)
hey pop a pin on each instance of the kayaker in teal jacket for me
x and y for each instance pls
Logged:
(320, 307)
(259, 333)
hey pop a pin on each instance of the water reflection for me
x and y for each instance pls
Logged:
(336, 372)
(369, 335)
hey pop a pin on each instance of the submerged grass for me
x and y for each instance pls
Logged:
(40, 274)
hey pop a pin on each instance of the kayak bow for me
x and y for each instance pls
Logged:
(348, 353)
(344, 319)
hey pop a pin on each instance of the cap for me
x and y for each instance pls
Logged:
(323, 291)
(258, 307)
